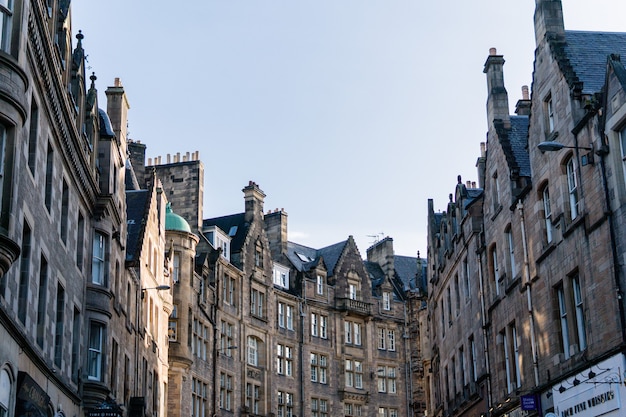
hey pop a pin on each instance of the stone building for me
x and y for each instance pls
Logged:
(550, 242)
(83, 273)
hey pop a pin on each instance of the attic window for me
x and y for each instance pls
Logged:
(233, 231)
(303, 258)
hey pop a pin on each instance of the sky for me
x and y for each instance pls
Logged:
(348, 114)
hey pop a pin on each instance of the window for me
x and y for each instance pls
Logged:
(549, 112)
(285, 404)
(466, 278)
(199, 398)
(75, 344)
(285, 316)
(257, 302)
(226, 391)
(354, 373)
(511, 250)
(563, 320)
(351, 409)
(228, 290)
(510, 350)
(386, 300)
(387, 379)
(284, 360)
(6, 14)
(319, 407)
(226, 338)
(200, 339)
(96, 342)
(547, 213)
(98, 265)
(59, 326)
(495, 275)
(580, 313)
(457, 293)
(622, 146)
(42, 299)
(253, 395)
(319, 325)
(473, 359)
(462, 365)
(80, 238)
(353, 291)
(24, 273)
(253, 351)
(5, 392)
(495, 192)
(48, 181)
(281, 276)
(319, 368)
(352, 333)
(65, 207)
(176, 268)
(33, 135)
(319, 287)
(172, 325)
(572, 186)
(386, 339)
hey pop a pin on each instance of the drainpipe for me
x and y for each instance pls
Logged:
(527, 284)
(484, 323)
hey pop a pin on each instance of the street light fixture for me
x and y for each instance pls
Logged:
(552, 146)
(158, 288)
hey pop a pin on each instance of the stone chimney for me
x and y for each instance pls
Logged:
(276, 230)
(497, 97)
(522, 107)
(480, 165)
(117, 109)
(137, 151)
(382, 254)
(548, 19)
(253, 198)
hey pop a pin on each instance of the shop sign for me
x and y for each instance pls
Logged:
(596, 401)
(529, 402)
(32, 400)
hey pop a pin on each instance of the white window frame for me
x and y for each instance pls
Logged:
(581, 326)
(6, 17)
(99, 261)
(563, 319)
(96, 350)
(319, 285)
(386, 300)
(572, 189)
(253, 351)
(547, 213)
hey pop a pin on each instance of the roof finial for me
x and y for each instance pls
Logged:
(93, 79)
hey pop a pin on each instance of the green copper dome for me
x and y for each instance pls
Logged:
(175, 222)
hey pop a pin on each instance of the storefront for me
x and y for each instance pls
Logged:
(32, 400)
(597, 390)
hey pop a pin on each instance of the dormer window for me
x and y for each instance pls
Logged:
(281, 276)
(353, 291)
(386, 300)
(319, 285)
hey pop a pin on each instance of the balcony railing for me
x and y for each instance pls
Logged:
(354, 306)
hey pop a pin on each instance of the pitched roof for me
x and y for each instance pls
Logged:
(304, 258)
(234, 222)
(406, 270)
(136, 208)
(587, 54)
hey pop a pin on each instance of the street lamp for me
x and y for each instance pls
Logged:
(158, 288)
(552, 146)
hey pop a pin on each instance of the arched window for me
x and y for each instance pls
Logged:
(6, 383)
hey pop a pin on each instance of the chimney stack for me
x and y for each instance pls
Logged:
(253, 198)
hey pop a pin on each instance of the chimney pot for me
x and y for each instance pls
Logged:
(525, 95)
(493, 51)
(118, 82)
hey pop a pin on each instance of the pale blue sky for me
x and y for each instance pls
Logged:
(349, 114)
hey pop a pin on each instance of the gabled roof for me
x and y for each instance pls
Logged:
(233, 222)
(406, 270)
(304, 258)
(136, 208)
(587, 54)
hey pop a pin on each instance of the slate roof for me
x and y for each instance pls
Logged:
(225, 223)
(518, 138)
(406, 270)
(136, 207)
(473, 194)
(587, 53)
(106, 130)
(330, 255)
